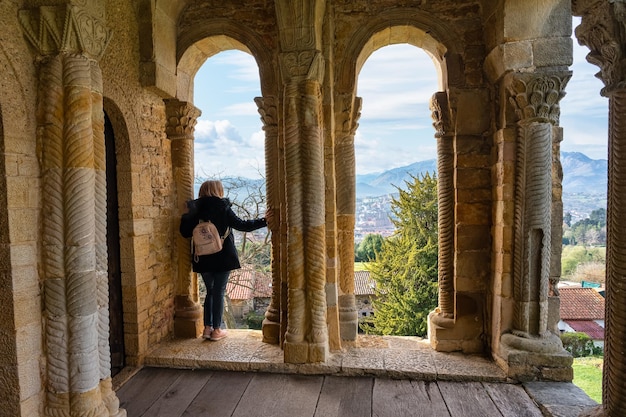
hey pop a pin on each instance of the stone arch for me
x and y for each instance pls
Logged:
(196, 45)
(444, 45)
(200, 42)
(423, 30)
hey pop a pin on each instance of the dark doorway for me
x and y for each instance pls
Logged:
(116, 316)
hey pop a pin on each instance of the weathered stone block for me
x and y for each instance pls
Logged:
(472, 114)
(517, 55)
(473, 178)
(472, 237)
(552, 52)
(542, 18)
(474, 213)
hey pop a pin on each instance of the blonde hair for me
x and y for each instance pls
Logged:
(211, 188)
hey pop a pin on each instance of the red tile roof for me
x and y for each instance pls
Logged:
(241, 284)
(581, 304)
(591, 328)
(363, 283)
(246, 283)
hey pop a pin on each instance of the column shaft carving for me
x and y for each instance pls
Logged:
(602, 30)
(306, 337)
(444, 314)
(614, 385)
(345, 175)
(535, 99)
(268, 109)
(180, 125)
(74, 253)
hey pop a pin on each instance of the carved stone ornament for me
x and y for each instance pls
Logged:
(268, 109)
(602, 30)
(440, 114)
(303, 65)
(65, 28)
(181, 118)
(297, 20)
(348, 116)
(537, 99)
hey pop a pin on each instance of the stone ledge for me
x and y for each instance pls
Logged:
(381, 356)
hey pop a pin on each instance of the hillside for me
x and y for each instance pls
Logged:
(584, 182)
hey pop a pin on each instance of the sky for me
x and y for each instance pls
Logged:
(395, 128)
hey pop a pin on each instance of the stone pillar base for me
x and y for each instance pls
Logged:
(271, 332)
(348, 317)
(449, 335)
(188, 320)
(302, 352)
(535, 359)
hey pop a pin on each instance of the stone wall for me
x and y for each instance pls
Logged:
(148, 213)
(20, 190)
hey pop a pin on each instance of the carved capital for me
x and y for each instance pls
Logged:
(536, 98)
(65, 28)
(307, 64)
(268, 109)
(181, 119)
(440, 113)
(348, 114)
(603, 31)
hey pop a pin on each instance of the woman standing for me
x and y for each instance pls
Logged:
(215, 268)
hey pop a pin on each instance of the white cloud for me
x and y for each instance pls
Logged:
(221, 151)
(395, 128)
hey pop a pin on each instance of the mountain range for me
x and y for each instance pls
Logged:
(581, 175)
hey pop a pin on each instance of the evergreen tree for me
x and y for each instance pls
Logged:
(405, 270)
(366, 251)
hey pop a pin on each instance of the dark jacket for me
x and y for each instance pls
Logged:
(219, 212)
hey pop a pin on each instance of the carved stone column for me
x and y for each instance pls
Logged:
(268, 109)
(70, 41)
(302, 69)
(535, 99)
(602, 31)
(181, 122)
(306, 337)
(345, 174)
(443, 316)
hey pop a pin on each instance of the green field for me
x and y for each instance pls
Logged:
(360, 266)
(588, 376)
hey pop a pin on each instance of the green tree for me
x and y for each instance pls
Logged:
(366, 251)
(405, 270)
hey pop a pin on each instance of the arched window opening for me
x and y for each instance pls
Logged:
(394, 148)
(229, 145)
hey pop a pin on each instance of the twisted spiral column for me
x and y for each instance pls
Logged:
(268, 108)
(181, 122)
(535, 98)
(345, 175)
(533, 229)
(74, 252)
(614, 384)
(443, 316)
(306, 336)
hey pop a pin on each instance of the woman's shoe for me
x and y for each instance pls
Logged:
(218, 334)
(207, 333)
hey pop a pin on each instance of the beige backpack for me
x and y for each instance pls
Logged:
(206, 240)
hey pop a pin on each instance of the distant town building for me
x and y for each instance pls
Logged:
(582, 310)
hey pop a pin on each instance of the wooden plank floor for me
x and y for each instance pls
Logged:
(163, 392)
